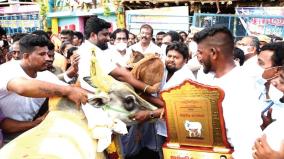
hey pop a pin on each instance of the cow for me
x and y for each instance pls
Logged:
(67, 134)
(147, 67)
(193, 128)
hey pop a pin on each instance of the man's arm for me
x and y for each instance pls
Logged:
(40, 89)
(153, 100)
(13, 126)
(124, 75)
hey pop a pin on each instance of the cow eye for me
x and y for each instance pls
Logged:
(129, 99)
(129, 102)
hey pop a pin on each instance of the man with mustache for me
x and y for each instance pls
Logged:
(145, 45)
(22, 90)
(97, 36)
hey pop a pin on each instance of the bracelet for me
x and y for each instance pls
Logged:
(145, 88)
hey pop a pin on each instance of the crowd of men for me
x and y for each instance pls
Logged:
(38, 65)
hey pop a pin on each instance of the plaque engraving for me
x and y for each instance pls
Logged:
(194, 115)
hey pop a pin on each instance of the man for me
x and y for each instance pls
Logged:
(97, 35)
(119, 54)
(66, 35)
(131, 39)
(271, 144)
(71, 72)
(183, 35)
(154, 134)
(240, 109)
(145, 45)
(78, 38)
(169, 37)
(270, 59)
(250, 46)
(22, 90)
(15, 50)
(159, 38)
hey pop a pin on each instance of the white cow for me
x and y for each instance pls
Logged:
(66, 134)
(193, 128)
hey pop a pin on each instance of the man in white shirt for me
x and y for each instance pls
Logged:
(22, 90)
(145, 45)
(270, 59)
(250, 47)
(119, 54)
(97, 36)
(154, 134)
(271, 144)
(240, 105)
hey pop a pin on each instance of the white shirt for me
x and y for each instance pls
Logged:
(240, 110)
(250, 67)
(85, 52)
(177, 78)
(152, 48)
(275, 133)
(13, 105)
(117, 58)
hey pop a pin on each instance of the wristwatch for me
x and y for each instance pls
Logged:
(152, 115)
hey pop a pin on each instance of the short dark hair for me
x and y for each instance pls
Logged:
(211, 31)
(67, 32)
(40, 32)
(18, 36)
(239, 53)
(278, 54)
(50, 46)
(179, 47)
(30, 41)
(132, 34)
(174, 35)
(161, 33)
(120, 30)
(95, 24)
(79, 35)
(70, 51)
(182, 32)
(147, 26)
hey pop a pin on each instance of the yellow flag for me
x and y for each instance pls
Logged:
(98, 78)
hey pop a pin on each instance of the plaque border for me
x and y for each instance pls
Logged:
(219, 105)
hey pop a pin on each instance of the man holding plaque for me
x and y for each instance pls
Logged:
(240, 106)
(153, 134)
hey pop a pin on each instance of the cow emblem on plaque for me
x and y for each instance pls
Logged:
(194, 129)
(195, 123)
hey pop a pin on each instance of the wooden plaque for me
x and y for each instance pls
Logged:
(194, 115)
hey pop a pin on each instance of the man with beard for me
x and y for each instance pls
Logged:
(145, 45)
(97, 35)
(240, 106)
(22, 90)
(154, 134)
